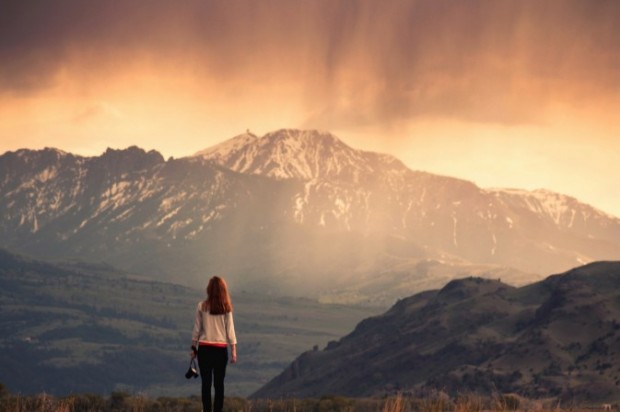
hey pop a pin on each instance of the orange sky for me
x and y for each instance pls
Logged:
(507, 94)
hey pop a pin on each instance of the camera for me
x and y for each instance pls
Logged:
(192, 372)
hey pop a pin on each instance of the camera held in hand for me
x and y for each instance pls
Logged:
(192, 371)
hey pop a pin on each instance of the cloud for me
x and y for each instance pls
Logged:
(98, 109)
(354, 62)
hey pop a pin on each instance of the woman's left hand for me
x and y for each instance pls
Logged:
(233, 354)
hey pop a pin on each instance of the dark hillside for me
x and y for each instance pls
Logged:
(555, 338)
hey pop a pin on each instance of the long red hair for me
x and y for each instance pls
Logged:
(218, 300)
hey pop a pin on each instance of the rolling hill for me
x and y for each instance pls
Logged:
(75, 327)
(557, 338)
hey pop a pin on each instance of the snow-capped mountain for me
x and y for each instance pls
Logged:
(287, 210)
(128, 207)
(370, 193)
(299, 154)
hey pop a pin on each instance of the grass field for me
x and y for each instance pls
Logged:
(434, 402)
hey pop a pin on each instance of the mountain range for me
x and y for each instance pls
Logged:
(554, 339)
(291, 212)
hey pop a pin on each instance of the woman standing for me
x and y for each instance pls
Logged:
(214, 330)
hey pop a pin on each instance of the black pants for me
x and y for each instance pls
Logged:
(212, 362)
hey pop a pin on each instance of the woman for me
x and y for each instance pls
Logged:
(214, 330)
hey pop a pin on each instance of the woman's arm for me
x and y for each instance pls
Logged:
(233, 353)
(231, 337)
(197, 325)
(196, 331)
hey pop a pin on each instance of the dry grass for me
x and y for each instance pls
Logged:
(439, 402)
(39, 403)
(395, 404)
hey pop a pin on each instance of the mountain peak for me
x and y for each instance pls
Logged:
(312, 136)
(293, 154)
(131, 158)
(562, 209)
(231, 145)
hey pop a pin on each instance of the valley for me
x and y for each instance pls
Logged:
(83, 328)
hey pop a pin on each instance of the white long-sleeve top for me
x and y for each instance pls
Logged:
(213, 329)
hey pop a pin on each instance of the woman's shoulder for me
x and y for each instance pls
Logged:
(219, 315)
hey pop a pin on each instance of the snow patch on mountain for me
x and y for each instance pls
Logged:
(561, 209)
(47, 174)
(298, 154)
(223, 149)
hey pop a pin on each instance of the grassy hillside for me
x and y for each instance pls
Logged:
(73, 328)
(558, 338)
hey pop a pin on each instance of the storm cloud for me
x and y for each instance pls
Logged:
(354, 62)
